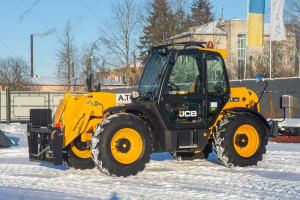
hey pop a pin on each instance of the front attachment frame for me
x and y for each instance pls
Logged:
(45, 144)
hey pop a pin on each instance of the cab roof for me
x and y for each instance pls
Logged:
(185, 45)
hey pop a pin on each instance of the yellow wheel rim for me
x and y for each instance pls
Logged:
(246, 140)
(126, 146)
(86, 153)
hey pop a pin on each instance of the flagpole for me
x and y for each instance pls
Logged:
(270, 57)
(299, 55)
(270, 39)
(246, 49)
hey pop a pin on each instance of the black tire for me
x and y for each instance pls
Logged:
(77, 162)
(233, 148)
(105, 153)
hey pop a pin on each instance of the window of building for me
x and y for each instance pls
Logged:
(265, 58)
(293, 58)
(278, 58)
(241, 54)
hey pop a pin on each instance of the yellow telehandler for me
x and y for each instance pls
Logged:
(183, 105)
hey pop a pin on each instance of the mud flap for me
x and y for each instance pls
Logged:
(4, 140)
(203, 138)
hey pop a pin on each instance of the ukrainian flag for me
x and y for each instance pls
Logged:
(256, 22)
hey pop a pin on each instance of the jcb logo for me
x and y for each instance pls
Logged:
(188, 113)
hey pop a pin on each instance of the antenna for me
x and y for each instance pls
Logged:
(221, 20)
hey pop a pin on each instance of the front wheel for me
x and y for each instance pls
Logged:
(79, 156)
(240, 140)
(121, 145)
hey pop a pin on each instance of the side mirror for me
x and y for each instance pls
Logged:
(135, 94)
(260, 79)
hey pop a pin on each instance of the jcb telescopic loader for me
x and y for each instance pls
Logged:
(183, 105)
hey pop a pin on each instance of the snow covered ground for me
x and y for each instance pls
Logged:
(276, 177)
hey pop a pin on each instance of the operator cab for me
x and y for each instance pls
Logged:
(189, 84)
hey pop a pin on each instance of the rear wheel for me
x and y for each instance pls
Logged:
(121, 145)
(79, 156)
(240, 140)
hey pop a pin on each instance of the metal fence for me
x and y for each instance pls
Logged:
(15, 106)
(271, 102)
(20, 103)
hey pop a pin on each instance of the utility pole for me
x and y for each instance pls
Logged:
(31, 47)
(58, 73)
(73, 72)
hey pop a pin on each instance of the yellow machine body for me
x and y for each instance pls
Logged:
(81, 114)
(239, 97)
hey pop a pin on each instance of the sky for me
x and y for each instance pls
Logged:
(21, 18)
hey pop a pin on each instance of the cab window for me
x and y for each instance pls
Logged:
(216, 78)
(185, 76)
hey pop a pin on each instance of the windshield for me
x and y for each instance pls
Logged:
(152, 73)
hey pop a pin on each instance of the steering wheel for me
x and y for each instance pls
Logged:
(218, 87)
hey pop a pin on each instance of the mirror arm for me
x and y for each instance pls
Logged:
(263, 91)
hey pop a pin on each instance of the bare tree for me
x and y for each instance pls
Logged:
(118, 34)
(12, 72)
(283, 59)
(90, 58)
(292, 18)
(293, 14)
(66, 54)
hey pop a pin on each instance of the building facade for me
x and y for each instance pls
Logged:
(52, 84)
(119, 73)
(231, 35)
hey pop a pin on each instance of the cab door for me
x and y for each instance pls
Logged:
(183, 96)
